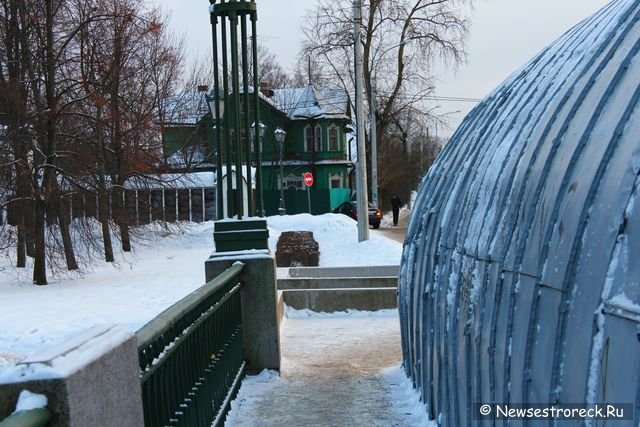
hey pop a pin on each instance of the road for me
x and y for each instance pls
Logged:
(398, 232)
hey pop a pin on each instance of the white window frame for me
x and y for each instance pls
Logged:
(308, 146)
(333, 128)
(318, 138)
(335, 176)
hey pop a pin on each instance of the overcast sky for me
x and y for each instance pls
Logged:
(504, 35)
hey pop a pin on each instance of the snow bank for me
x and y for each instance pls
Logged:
(337, 236)
(166, 265)
(28, 401)
(406, 399)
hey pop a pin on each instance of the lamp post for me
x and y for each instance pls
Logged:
(361, 165)
(230, 22)
(280, 135)
(261, 130)
(440, 117)
(216, 107)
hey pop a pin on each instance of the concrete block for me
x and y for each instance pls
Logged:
(261, 331)
(368, 271)
(331, 300)
(335, 282)
(89, 381)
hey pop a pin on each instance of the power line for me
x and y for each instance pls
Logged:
(453, 99)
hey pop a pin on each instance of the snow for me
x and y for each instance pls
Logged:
(336, 236)
(406, 399)
(36, 317)
(292, 313)
(623, 301)
(362, 382)
(167, 263)
(172, 181)
(28, 401)
(309, 101)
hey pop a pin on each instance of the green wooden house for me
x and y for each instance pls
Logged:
(315, 121)
(187, 133)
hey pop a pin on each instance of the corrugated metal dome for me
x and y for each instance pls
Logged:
(520, 277)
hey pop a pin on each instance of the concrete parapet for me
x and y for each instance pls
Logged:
(330, 300)
(92, 380)
(335, 282)
(367, 271)
(261, 332)
(330, 289)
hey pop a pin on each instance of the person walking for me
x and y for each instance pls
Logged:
(396, 203)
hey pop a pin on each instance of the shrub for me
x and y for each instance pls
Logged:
(297, 248)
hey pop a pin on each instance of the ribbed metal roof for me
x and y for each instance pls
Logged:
(520, 277)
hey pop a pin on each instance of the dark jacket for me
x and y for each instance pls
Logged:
(396, 203)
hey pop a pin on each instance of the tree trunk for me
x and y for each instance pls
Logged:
(47, 145)
(39, 265)
(103, 194)
(124, 235)
(28, 209)
(63, 222)
(21, 254)
(120, 213)
(104, 220)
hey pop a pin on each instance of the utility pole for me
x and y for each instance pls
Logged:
(374, 144)
(361, 167)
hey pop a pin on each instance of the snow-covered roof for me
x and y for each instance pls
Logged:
(309, 163)
(179, 180)
(184, 108)
(311, 102)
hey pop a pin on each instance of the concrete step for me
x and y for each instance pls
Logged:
(341, 299)
(333, 283)
(367, 271)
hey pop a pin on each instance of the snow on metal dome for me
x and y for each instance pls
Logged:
(520, 278)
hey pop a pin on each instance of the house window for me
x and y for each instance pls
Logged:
(308, 138)
(313, 138)
(335, 181)
(333, 138)
(293, 182)
(318, 138)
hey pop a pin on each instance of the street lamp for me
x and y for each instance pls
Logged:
(261, 129)
(216, 107)
(441, 120)
(214, 100)
(280, 135)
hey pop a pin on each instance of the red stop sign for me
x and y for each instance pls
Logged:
(308, 179)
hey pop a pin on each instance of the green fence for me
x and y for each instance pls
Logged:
(297, 201)
(191, 356)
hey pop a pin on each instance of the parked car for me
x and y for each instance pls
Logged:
(350, 209)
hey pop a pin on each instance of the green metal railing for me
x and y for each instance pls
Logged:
(191, 356)
(39, 417)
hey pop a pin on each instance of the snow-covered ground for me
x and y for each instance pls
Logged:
(164, 267)
(336, 369)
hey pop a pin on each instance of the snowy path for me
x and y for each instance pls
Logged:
(335, 372)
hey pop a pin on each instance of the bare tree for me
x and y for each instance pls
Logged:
(269, 69)
(76, 75)
(400, 41)
(134, 67)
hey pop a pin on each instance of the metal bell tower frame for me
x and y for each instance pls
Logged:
(237, 101)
